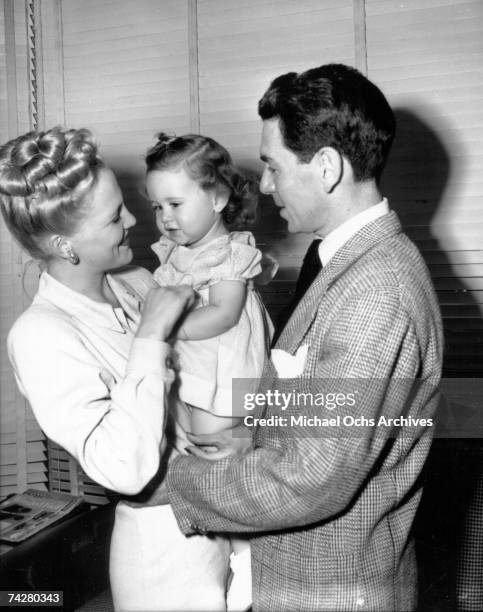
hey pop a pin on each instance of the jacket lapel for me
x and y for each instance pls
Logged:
(365, 239)
(304, 314)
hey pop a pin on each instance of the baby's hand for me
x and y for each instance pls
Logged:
(233, 442)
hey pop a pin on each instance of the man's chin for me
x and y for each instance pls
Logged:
(283, 216)
(291, 227)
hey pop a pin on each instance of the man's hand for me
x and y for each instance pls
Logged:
(163, 309)
(233, 442)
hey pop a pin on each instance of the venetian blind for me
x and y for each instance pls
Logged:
(427, 55)
(243, 46)
(22, 444)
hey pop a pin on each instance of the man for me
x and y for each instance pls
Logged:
(331, 514)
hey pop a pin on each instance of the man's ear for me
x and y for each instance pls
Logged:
(220, 200)
(330, 168)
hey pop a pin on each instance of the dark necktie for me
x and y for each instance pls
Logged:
(311, 266)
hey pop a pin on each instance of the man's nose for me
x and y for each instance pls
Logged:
(266, 183)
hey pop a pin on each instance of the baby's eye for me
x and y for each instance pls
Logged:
(174, 204)
(156, 207)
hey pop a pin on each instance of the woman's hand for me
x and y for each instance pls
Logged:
(233, 442)
(162, 310)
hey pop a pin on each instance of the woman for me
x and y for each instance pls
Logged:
(93, 368)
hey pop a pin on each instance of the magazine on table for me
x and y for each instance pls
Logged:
(25, 514)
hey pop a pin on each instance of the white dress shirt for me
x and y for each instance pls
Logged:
(337, 238)
(58, 348)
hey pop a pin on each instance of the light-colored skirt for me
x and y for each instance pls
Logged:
(153, 566)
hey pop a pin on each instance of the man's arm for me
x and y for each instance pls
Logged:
(304, 479)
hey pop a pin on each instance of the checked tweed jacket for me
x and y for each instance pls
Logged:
(330, 515)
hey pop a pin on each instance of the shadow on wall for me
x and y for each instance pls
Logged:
(417, 181)
(449, 524)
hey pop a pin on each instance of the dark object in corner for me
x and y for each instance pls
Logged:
(72, 556)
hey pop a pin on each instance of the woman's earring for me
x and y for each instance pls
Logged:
(73, 257)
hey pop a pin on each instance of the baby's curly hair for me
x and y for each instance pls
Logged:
(44, 178)
(210, 164)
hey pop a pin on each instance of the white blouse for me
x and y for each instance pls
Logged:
(58, 348)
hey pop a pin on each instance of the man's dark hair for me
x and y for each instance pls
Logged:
(335, 106)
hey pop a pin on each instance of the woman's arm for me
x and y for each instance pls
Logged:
(227, 299)
(115, 433)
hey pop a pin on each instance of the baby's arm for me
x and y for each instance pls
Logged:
(227, 299)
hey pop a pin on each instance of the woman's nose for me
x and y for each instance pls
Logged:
(266, 183)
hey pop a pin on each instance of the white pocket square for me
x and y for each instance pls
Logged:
(287, 365)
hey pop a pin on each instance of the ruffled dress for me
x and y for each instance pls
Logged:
(206, 367)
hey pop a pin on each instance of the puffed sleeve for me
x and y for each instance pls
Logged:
(114, 430)
(242, 261)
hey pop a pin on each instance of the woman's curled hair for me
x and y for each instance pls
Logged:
(44, 178)
(210, 164)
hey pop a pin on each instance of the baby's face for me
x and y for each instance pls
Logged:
(185, 213)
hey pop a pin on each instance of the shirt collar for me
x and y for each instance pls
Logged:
(337, 238)
(85, 309)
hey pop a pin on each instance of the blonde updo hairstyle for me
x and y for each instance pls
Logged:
(44, 180)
